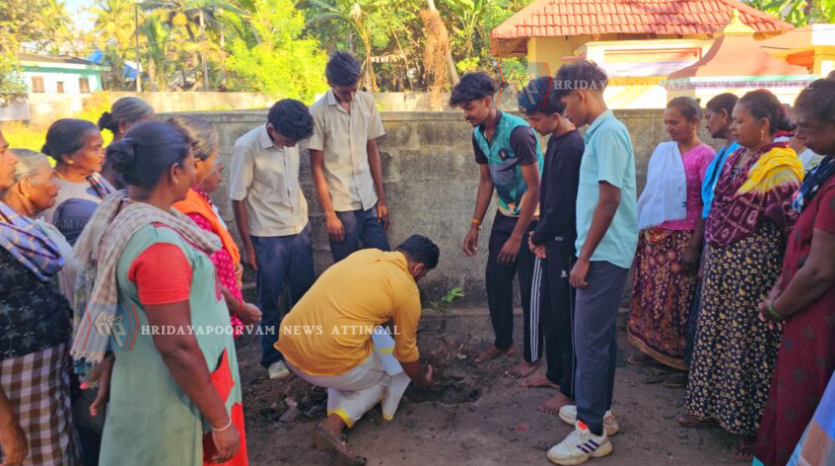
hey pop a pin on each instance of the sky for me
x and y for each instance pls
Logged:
(73, 7)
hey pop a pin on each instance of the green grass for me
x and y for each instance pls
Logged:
(21, 136)
(24, 136)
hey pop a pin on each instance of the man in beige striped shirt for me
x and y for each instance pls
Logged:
(345, 161)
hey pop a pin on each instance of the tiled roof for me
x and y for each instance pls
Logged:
(558, 18)
(31, 57)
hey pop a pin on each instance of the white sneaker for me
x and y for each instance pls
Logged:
(568, 414)
(579, 446)
(278, 370)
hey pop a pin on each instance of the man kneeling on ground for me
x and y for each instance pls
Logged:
(332, 338)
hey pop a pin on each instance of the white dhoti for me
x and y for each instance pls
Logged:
(379, 379)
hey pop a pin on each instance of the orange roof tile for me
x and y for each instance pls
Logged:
(557, 18)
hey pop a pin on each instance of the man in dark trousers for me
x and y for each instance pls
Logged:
(508, 155)
(553, 239)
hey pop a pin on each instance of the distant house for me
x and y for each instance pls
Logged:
(48, 74)
(638, 42)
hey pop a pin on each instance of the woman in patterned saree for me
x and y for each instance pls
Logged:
(175, 396)
(804, 297)
(669, 247)
(734, 351)
(198, 206)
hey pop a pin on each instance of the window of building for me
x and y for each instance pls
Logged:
(37, 84)
(84, 85)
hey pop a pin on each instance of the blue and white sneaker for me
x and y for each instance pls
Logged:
(580, 446)
(568, 415)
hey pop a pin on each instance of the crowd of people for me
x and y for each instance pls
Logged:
(121, 292)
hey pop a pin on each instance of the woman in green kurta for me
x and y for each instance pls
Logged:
(175, 394)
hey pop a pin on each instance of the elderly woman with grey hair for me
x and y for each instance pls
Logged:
(34, 322)
(77, 147)
(124, 113)
(35, 189)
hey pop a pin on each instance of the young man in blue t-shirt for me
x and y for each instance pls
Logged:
(607, 236)
(508, 155)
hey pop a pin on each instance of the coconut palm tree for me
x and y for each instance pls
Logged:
(114, 25)
(195, 17)
(358, 14)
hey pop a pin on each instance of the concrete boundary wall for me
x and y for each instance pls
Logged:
(430, 178)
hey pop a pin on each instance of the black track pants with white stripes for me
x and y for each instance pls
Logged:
(500, 296)
(555, 296)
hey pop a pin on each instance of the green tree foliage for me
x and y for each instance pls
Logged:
(274, 57)
(114, 26)
(798, 12)
(12, 87)
(24, 21)
(471, 22)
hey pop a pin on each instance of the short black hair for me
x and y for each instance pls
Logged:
(147, 151)
(584, 74)
(687, 106)
(421, 249)
(818, 101)
(725, 101)
(67, 136)
(763, 104)
(472, 86)
(343, 69)
(291, 119)
(541, 96)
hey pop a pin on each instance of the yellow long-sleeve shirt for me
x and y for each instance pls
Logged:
(329, 331)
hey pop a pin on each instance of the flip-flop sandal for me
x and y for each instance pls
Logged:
(654, 379)
(675, 380)
(337, 447)
(654, 370)
(638, 360)
(689, 420)
(743, 453)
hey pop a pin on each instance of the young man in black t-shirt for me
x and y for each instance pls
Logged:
(552, 241)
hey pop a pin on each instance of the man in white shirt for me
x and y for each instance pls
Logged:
(271, 214)
(345, 161)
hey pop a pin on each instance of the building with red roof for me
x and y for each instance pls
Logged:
(638, 42)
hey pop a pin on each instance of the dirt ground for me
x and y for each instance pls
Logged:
(474, 416)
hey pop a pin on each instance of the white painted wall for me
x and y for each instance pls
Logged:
(70, 80)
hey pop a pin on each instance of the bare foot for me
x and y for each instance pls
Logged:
(335, 445)
(492, 353)
(540, 382)
(554, 404)
(523, 369)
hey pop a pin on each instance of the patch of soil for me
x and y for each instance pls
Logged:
(473, 416)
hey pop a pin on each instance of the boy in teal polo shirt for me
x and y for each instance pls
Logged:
(607, 236)
(508, 154)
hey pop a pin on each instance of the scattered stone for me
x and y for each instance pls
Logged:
(290, 415)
